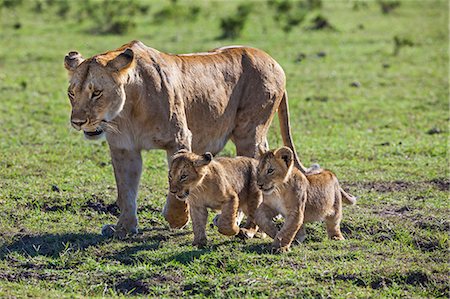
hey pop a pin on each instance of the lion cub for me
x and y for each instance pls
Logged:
(298, 198)
(227, 184)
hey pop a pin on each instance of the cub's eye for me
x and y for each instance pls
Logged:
(183, 178)
(270, 171)
(170, 177)
(96, 93)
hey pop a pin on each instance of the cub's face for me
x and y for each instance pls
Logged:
(96, 91)
(273, 169)
(186, 173)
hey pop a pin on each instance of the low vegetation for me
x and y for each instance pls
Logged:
(378, 120)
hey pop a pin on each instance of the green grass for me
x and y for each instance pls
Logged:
(55, 187)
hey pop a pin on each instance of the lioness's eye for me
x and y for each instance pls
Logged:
(96, 93)
(183, 177)
(270, 171)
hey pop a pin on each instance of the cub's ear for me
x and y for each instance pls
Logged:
(205, 159)
(122, 61)
(72, 60)
(285, 154)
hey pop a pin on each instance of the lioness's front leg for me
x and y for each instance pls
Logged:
(227, 221)
(127, 166)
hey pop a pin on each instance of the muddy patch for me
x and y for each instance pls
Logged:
(399, 186)
(132, 287)
(27, 275)
(99, 205)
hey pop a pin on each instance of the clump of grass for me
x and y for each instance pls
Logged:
(387, 6)
(176, 11)
(232, 26)
(112, 17)
(401, 42)
(321, 23)
(290, 14)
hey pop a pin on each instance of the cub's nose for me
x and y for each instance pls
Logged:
(173, 191)
(260, 186)
(78, 123)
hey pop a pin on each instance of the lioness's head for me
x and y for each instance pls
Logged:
(274, 168)
(186, 172)
(96, 89)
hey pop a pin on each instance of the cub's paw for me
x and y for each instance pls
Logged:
(200, 243)
(245, 233)
(229, 231)
(338, 238)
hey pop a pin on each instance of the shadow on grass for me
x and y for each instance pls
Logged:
(50, 245)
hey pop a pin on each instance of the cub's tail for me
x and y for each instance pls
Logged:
(347, 198)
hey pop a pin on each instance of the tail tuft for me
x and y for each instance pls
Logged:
(348, 198)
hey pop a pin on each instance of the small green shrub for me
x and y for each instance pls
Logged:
(387, 6)
(401, 42)
(232, 26)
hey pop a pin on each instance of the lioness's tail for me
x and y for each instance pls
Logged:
(347, 198)
(285, 128)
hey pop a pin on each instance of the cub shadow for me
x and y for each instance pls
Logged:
(50, 245)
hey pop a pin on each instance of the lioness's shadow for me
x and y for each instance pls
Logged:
(50, 245)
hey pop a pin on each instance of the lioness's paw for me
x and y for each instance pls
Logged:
(280, 249)
(200, 243)
(108, 230)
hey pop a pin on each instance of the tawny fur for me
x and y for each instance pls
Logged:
(298, 198)
(226, 184)
(142, 99)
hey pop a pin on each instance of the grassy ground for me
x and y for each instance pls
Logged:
(379, 120)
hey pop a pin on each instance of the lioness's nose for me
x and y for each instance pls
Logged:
(77, 123)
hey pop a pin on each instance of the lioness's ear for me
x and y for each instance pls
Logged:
(205, 159)
(72, 60)
(122, 61)
(285, 154)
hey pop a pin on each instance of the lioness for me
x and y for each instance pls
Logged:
(142, 99)
(227, 184)
(298, 198)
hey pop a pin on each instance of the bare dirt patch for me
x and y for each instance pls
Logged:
(399, 186)
(99, 205)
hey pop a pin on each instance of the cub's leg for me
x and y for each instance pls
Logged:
(263, 216)
(333, 227)
(301, 234)
(333, 222)
(127, 166)
(227, 220)
(199, 217)
(250, 228)
(283, 239)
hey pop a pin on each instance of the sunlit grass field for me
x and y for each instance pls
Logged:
(377, 118)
